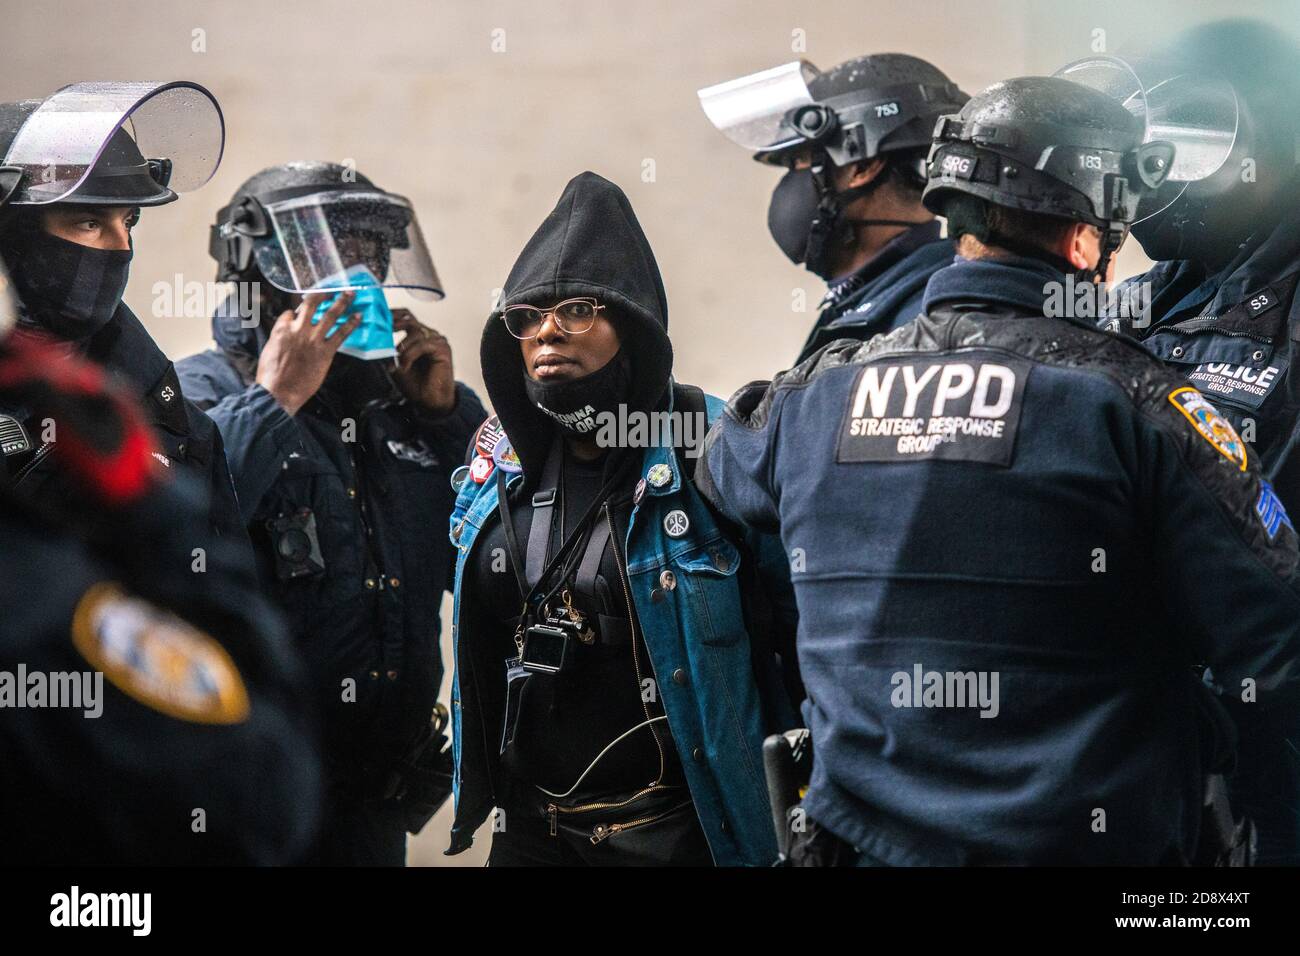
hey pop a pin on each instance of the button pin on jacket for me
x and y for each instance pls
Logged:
(676, 524)
(659, 475)
(458, 478)
(639, 493)
(667, 580)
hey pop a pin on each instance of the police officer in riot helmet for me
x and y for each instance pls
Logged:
(78, 168)
(1220, 302)
(153, 712)
(1220, 307)
(981, 497)
(849, 208)
(342, 442)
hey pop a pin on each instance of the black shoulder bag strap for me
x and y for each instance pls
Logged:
(540, 531)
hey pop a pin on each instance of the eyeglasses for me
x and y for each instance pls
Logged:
(572, 317)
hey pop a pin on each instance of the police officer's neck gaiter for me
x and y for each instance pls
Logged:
(68, 289)
(577, 404)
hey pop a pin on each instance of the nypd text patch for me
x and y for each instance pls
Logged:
(1241, 384)
(952, 410)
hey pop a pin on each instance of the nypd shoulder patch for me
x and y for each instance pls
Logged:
(1209, 424)
(157, 659)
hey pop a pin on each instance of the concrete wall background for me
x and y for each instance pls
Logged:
(483, 142)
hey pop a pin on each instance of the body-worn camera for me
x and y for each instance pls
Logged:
(546, 646)
(295, 544)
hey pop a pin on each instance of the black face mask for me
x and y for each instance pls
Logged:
(576, 404)
(66, 288)
(1210, 231)
(808, 222)
(354, 383)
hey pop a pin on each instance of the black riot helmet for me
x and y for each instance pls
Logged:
(1050, 147)
(1226, 95)
(94, 144)
(863, 108)
(882, 105)
(308, 226)
(109, 144)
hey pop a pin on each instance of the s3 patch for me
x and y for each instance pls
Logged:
(157, 659)
(1209, 424)
(944, 409)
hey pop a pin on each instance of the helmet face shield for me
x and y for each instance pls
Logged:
(59, 144)
(1197, 114)
(345, 240)
(751, 110)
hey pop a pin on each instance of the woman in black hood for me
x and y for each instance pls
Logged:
(566, 611)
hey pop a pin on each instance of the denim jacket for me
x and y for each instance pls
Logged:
(699, 648)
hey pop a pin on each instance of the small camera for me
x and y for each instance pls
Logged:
(296, 544)
(546, 646)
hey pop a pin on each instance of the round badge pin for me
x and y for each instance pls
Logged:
(488, 436)
(459, 477)
(505, 457)
(639, 493)
(480, 469)
(659, 475)
(676, 524)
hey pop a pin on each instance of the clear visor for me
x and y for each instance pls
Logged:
(1198, 114)
(346, 240)
(59, 143)
(750, 110)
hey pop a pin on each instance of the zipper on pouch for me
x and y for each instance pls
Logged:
(604, 831)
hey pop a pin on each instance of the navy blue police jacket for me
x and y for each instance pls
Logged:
(368, 611)
(1232, 333)
(883, 294)
(977, 507)
(152, 706)
(187, 440)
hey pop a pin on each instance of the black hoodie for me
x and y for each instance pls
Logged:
(590, 244)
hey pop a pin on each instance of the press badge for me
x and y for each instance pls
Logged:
(947, 410)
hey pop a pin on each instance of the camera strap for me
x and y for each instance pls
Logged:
(536, 568)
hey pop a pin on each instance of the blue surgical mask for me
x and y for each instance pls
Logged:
(373, 338)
